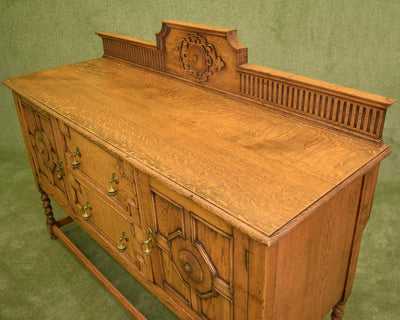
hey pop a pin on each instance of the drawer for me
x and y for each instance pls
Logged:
(118, 229)
(112, 175)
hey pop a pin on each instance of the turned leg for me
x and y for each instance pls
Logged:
(338, 311)
(48, 211)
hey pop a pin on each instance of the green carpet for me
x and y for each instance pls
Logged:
(352, 43)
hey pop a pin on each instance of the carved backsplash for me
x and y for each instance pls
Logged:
(213, 57)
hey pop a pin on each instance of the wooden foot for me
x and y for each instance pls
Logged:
(48, 211)
(338, 311)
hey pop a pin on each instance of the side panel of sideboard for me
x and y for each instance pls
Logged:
(315, 262)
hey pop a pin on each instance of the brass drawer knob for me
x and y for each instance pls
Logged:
(113, 191)
(122, 242)
(87, 211)
(75, 163)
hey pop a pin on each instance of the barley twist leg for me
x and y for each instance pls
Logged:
(48, 211)
(338, 311)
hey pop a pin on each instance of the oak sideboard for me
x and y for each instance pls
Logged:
(229, 190)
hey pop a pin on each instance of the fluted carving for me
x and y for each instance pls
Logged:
(48, 211)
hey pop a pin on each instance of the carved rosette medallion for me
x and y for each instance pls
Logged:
(46, 158)
(190, 266)
(193, 265)
(199, 58)
(44, 148)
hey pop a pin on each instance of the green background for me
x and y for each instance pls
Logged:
(352, 43)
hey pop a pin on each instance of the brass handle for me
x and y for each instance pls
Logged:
(148, 244)
(122, 242)
(75, 163)
(60, 170)
(113, 191)
(87, 211)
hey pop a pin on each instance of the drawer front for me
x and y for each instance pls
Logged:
(113, 176)
(120, 230)
(196, 254)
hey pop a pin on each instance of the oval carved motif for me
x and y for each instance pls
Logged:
(198, 57)
(43, 147)
(190, 265)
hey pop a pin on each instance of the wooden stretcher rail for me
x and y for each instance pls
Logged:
(117, 295)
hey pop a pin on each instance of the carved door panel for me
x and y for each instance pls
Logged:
(47, 162)
(195, 257)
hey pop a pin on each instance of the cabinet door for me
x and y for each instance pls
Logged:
(195, 254)
(39, 130)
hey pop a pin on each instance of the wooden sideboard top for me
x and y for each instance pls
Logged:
(257, 168)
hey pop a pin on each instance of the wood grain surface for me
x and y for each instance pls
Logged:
(252, 166)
